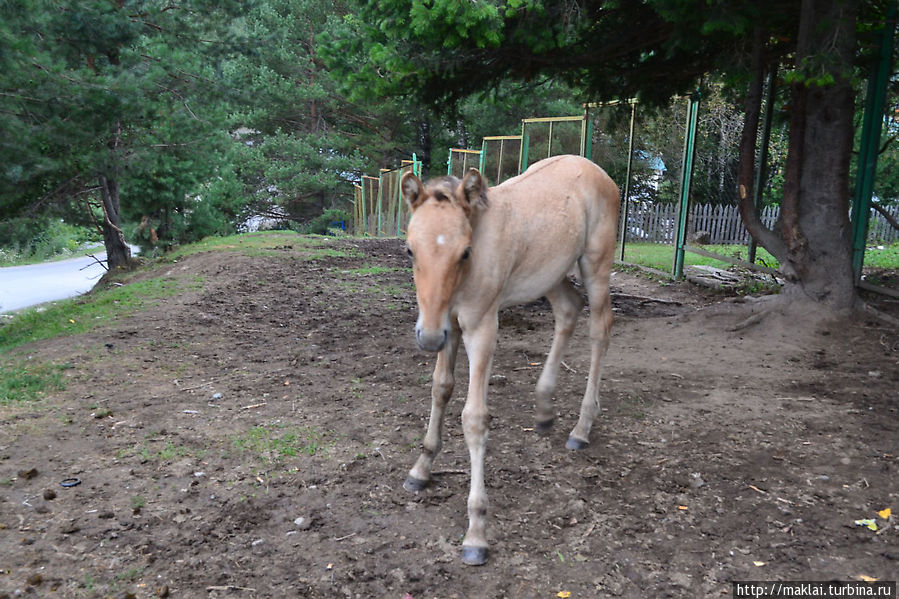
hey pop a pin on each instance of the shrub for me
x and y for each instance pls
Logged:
(327, 221)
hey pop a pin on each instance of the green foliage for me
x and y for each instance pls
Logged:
(204, 113)
(25, 240)
(323, 224)
(443, 50)
(97, 89)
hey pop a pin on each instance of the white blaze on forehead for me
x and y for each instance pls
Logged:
(441, 240)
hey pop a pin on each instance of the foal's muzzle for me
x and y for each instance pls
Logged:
(431, 340)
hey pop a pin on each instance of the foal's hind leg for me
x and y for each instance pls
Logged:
(596, 269)
(441, 391)
(567, 304)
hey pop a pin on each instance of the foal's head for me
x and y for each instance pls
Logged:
(439, 242)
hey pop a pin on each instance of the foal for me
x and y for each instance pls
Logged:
(476, 250)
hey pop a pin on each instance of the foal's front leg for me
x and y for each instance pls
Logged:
(441, 391)
(479, 344)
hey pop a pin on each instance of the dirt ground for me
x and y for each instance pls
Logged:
(249, 437)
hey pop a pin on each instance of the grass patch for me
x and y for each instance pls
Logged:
(79, 315)
(167, 453)
(31, 382)
(235, 243)
(267, 244)
(661, 256)
(633, 406)
(275, 443)
(319, 253)
(882, 256)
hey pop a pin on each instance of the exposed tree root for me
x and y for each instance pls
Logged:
(882, 316)
(749, 322)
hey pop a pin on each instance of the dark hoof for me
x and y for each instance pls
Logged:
(576, 444)
(474, 556)
(414, 484)
(544, 427)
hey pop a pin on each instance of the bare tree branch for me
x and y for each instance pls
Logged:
(746, 175)
(889, 217)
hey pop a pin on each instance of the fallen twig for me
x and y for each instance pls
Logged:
(206, 384)
(646, 300)
(441, 472)
(102, 263)
(255, 405)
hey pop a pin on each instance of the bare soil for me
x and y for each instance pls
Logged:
(249, 437)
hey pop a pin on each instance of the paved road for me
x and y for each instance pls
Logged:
(23, 286)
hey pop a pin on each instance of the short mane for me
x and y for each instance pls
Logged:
(442, 188)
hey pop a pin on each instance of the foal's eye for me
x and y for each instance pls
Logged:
(466, 254)
(409, 252)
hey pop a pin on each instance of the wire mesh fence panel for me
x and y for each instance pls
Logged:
(646, 165)
(552, 136)
(609, 142)
(500, 157)
(357, 210)
(394, 214)
(715, 177)
(367, 219)
(566, 137)
(460, 161)
(714, 183)
(885, 191)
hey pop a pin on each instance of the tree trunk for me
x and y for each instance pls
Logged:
(118, 254)
(821, 250)
(425, 142)
(813, 243)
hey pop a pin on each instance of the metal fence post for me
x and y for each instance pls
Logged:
(586, 148)
(380, 201)
(686, 180)
(625, 200)
(364, 211)
(870, 142)
(523, 156)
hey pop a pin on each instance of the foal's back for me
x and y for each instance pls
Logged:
(538, 224)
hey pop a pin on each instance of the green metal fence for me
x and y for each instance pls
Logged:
(500, 157)
(460, 161)
(551, 136)
(379, 209)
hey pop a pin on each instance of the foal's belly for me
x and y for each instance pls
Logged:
(531, 286)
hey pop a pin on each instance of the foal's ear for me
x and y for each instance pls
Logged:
(472, 193)
(413, 190)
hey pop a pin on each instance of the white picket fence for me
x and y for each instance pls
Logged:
(722, 224)
(881, 230)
